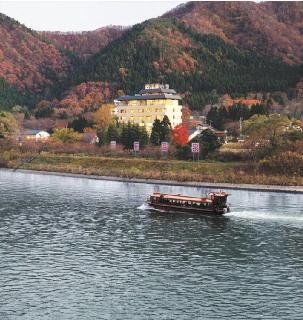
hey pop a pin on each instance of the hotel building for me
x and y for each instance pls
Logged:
(153, 102)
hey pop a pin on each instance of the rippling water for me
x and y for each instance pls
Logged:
(75, 248)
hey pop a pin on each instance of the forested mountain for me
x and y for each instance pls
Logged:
(86, 43)
(272, 28)
(28, 63)
(198, 65)
(202, 49)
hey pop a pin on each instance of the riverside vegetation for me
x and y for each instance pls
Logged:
(272, 152)
(283, 168)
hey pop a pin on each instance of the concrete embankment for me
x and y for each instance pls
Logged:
(249, 187)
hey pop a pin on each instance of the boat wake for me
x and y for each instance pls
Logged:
(257, 215)
(145, 207)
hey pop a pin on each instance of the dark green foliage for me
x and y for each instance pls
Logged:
(161, 131)
(293, 136)
(130, 59)
(9, 97)
(278, 98)
(80, 123)
(102, 136)
(45, 111)
(197, 100)
(259, 109)
(238, 111)
(63, 115)
(111, 133)
(19, 109)
(183, 152)
(133, 132)
(155, 137)
(218, 116)
(166, 129)
(209, 142)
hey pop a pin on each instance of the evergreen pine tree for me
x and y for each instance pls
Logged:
(156, 133)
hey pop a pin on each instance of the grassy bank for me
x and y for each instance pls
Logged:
(130, 167)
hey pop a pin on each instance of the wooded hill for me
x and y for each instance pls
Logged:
(86, 43)
(30, 64)
(202, 49)
(199, 65)
(272, 28)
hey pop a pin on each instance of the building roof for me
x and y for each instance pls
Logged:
(150, 97)
(157, 90)
(30, 131)
(152, 92)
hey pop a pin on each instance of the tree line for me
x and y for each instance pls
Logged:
(218, 116)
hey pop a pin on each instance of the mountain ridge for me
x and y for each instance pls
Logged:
(273, 28)
(203, 49)
(84, 43)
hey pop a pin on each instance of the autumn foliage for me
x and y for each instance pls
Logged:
(246, 24)
(104, 116)
(180, 135)
(85, 43)
(27, 62)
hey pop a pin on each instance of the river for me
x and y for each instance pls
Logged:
(73, 248)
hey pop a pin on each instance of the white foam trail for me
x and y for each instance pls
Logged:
(257, 215)
(144, 206)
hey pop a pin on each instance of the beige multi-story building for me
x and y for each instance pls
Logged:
(153, 102)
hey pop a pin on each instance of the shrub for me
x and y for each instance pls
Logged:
(230, 155)
(287, 163)
(66, 135)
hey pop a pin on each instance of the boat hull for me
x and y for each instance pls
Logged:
(184, 209)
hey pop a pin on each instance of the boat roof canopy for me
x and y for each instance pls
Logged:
(180, 197)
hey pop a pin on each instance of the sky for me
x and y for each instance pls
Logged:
(83, 15)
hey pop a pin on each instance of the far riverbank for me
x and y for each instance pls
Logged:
(248, 187)
(215, 174)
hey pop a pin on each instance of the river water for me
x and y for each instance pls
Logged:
(74, 248)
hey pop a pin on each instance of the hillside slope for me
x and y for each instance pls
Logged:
(271, 28)
(198, 65)
(28, 63)
(86, 43)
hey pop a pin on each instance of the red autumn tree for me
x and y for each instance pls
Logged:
(180, 135)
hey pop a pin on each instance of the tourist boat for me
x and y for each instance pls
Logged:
(215, 203)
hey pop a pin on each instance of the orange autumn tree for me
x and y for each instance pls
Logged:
(104, 116)
(180, 135)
